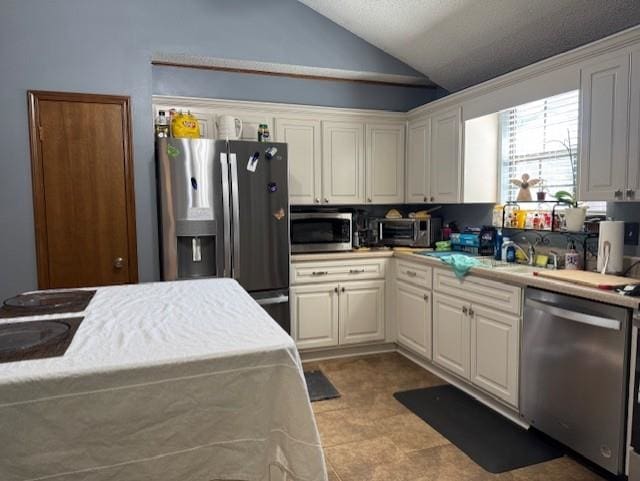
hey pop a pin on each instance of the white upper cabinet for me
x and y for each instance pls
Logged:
(633, 178)
(417, 188)
(343, 163)
(604, 91)
(305, 158)
(384, 163)
(445, 156)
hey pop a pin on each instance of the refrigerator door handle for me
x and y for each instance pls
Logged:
(236, 216)
(226, 209)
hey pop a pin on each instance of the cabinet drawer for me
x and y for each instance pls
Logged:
(414, 273)
(330, 271)
(474, 289)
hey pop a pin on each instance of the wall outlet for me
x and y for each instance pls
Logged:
(631, 233)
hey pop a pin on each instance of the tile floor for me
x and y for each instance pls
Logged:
(369, 436)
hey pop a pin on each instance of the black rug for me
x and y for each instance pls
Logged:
(491, 440)
(319, 387)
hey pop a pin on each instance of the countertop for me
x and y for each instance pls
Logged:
(523, 278)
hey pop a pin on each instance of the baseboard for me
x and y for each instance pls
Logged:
(323, 354)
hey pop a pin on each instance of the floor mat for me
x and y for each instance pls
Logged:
(491, 440)
(319, 387)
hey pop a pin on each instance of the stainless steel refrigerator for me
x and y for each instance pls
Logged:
(224, 212)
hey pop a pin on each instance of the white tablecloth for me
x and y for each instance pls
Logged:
(183, 381)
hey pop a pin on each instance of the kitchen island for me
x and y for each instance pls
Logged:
(164, 381)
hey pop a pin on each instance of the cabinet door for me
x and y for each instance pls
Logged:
(445, 156)
(413, 317)
(451, 333)
(417, 188)
(361, 312)
(494, 352)
(634, 132)
(604, 91)
(343, 162)
(385, 163)
(305, 162)
(314, 315)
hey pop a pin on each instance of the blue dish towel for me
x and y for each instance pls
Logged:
(460, 263)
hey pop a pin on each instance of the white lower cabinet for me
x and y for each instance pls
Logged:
(326, 315)
(478, 342)
(451, 333)
(361, 316)
(413, 318)
(314, 315)
(494, 352)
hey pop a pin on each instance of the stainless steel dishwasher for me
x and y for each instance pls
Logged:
(574, 364)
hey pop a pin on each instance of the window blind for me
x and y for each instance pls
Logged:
(541, 139)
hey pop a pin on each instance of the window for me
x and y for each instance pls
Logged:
(541, 139)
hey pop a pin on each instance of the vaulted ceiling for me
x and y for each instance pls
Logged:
(459, 43)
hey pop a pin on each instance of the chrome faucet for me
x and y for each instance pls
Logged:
(531, 252)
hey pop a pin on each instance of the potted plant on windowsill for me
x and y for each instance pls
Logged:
(574, 215)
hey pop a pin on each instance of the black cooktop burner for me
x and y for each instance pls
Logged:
(46, 302)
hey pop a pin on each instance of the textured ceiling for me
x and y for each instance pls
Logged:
(459, 43)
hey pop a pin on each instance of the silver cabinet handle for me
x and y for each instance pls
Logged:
(319, 273)
(630, 193)
(411, 273)
(335, 289)
(343, 289)
(317, 200)
(432, 198)
(618, 194)
(356, 271)
(326, 201)
(118, 262)
(424, 199)
(426, 297)
(465, 310)
(368, 199)
(471, 312)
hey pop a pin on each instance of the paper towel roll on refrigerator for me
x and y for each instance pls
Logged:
(611, 247)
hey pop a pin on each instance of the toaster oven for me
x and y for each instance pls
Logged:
(409, 232)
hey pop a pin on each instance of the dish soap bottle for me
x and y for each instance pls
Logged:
(497, 251)
(572, 258)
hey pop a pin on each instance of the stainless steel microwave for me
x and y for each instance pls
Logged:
(409, 232)
(321, 231)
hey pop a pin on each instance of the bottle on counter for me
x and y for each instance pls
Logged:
(162, 125)
(572, 258)
(263, 133)
(511, 252)
(497, 251)
(506, 242)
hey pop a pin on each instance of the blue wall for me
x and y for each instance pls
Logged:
(106, 47)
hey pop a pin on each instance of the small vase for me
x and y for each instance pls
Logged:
(574, 218)
(541, 195)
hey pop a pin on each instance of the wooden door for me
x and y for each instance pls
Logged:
(343, 162)
(445, 156)
(495, 346)
(604, 107)
(413, 315)
(361, 311)
(451, 333)
(314, 315)
(417, 189)
(385, 163)
(303, 138)
(83, 195)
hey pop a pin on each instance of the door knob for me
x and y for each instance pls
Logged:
(335, 289)
(326, 201)
(369, 199)
(426, 297)
(464, 309)
(618, 194)
(630, 193)
(343, 289)
(424, 199)
(432, 198)
(317, 200)
(118, 262)
(471, 312)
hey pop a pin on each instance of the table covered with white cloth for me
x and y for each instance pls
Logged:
(172, 381)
